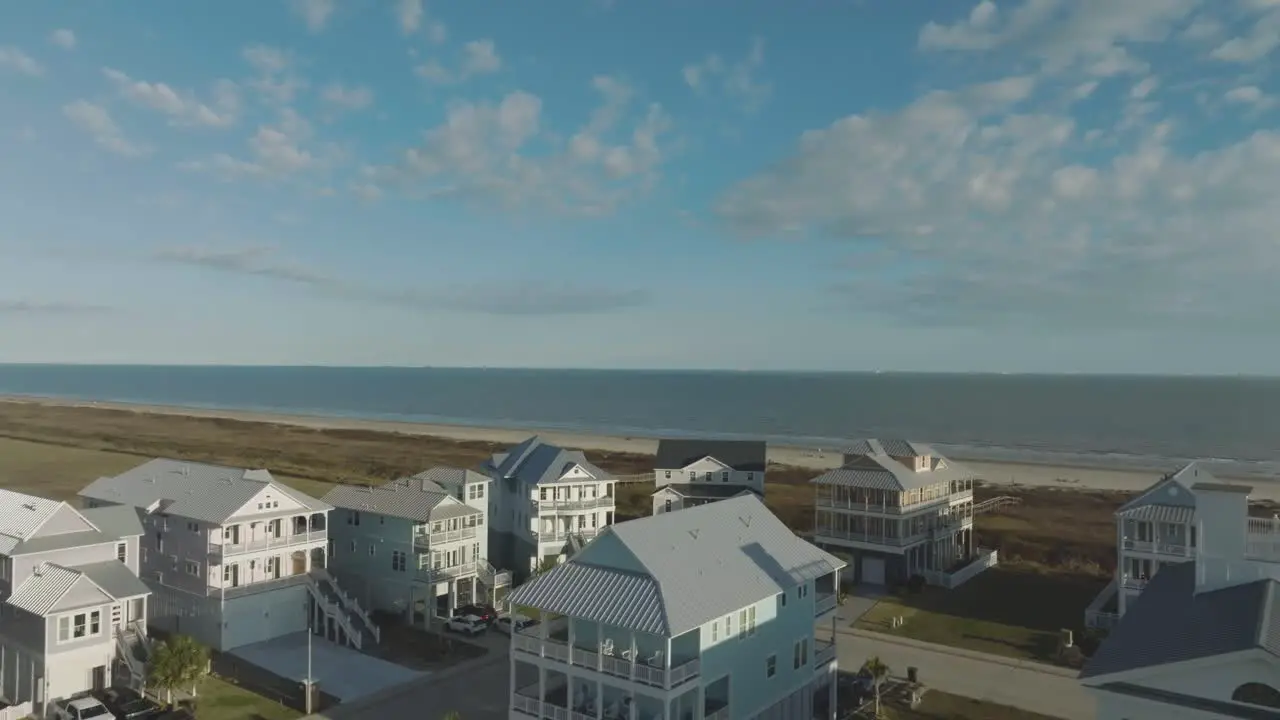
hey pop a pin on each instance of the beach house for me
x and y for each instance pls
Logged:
(545, 503)
(1153, 530)
(898, 508)
(72, 609)
(416, 544)
(695, 472)
(1200, 640)
(232, 556)
(710, 612)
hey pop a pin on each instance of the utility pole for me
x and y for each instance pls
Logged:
(309, 682)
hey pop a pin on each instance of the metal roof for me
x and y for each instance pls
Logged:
(600, 594)
(1172, 623)
(884, 472)
(1159, 513)
(707, 561)
(705, 490)
(419, 500)
(43, 588)
(22, 514)
(893, 447)
(451, 479)
(115, 521)
(538, 463)
(1173, 490)
(115, 578)
(211, 493)
(744, 455)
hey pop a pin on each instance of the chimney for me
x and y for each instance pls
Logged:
(1221, 520)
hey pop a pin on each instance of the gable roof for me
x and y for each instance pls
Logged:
(48, 583)
(114, 522)
(704, 490)
(1169, 499)
(451, 479)
(199, 491)
(742, 455)
(735, 546)
(880, 471)
(1172, 623)
(419, 500)
(21, 515)
(893, 447)
(538, 463)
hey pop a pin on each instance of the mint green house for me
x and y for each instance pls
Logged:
(415, 544)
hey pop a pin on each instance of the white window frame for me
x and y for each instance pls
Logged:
(771, 666)
(67, 626)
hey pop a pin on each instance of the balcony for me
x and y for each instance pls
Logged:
(1130, 582)
(562, 535)
(225, 549)
(835, 502)
(1161, 547)
(549, 506)
(647, 671)
(229, 591)
(879, 538)
(454, 572)
(424, 541)
(823, 604)
(823, 653)
(1263, 539)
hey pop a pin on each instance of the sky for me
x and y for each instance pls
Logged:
(1034, 186)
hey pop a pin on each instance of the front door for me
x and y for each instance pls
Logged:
(231, 575)
(99, 674)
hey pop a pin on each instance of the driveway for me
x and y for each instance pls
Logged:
(859, 600)
(483, 692)
(1053, 695)
(339, 671)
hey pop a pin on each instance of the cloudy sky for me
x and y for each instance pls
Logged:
(1046, 185)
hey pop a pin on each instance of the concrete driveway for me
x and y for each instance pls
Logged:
(859, 600)
(481, 691)
(339, 671)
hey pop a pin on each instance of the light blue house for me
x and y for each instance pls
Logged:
(417, 543)
(706, 613)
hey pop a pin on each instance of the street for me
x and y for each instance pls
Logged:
(479, 691)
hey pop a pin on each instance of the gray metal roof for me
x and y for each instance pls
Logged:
(893, 447)
(451, 479)
(883, 472)
(601, 594)
(1159, 513)
(707, 561)
(1171, 491)
(535, 462)
(705, 490)
(211, 493)
(744, 455)
(43, 588)
(1171, 623)
(22, 514)
(115, 521)
(62, 541)
(114, 577)
(419, 500)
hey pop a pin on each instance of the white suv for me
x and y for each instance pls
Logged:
(466, 624)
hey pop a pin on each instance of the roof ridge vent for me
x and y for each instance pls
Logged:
(746, 520)
(29, 506)
(693, 534)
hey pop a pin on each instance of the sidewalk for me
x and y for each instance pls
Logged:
(963, 653)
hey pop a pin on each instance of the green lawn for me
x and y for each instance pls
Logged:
(1005, 611)
(220, 700)
(943, 706)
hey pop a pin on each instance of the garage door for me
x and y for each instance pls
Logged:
(873, 571)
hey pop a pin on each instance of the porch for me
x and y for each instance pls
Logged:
(1263, 539)
(986, 558)
(267, 534)
(555, 695)
(613, 651)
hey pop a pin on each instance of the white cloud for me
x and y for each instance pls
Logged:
(315, 13)
(1256, 44)
(437, 33)
(97, 122)
(275, 151)
(1062, 34)
(276, 82)
(63, 38)
(12, 58)
(982, 196)
(737, 80)
(410, 14)
(347, 97)
(479, 57)
(181, 108)
(500, 153)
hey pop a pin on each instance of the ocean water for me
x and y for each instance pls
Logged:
(1113, 421)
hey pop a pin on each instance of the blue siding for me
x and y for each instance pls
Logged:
(778, 629)
(371, 578)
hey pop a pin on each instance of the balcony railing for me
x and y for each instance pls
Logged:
(543, 506)
(721, 714)
(874, 538)
(654, 675)
(267, 543)
(250, 588)
(838, 503)
(1132, 583)
(563, 535)
(426, 540)
(824, 604)
(450, 573)
(491, 576)
(823, 653)
(1158, 547)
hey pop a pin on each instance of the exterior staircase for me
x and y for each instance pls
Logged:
(134, 649)
(343, 608)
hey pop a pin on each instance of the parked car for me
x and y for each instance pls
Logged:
(127, 704)
(484, 612)
(466, 624)
(82, 709)
(508, 624)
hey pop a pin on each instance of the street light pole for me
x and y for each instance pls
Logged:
(309, 683)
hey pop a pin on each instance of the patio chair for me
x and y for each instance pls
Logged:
(630, 654)
(611, 712)
(655, 660)
(606, 647)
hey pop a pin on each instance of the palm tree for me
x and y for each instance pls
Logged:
(177, 662)
(875, 668)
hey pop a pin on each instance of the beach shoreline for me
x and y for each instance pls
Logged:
(1026, 474)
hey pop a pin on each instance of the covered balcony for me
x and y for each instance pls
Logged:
(555, 695)
(614, 651)
(826, 590)
(438, 532)
(267, 534)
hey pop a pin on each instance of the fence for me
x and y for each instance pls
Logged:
(986, 559)
(996, 504)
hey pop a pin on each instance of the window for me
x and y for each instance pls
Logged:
(193, 527)
(353, 517)
(668, 505)
(771, 666)
(382, 519)
(801, 656)
(728, 625)
(802, 591)
(742, 624)
(373, 549)
(724, 476)
(193, 568)
(751, 476)
(693, 476)
(751, 620)
(4, 568)
(668, 474)
(398, 561)
(80, 625)
(122, 552)
(782, 599)
(715, 631)
(353, 546)
(159, 542)
(142, 555)
(173, 560)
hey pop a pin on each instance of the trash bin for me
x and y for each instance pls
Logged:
(913, 674)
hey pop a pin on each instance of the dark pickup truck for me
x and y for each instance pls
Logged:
(128, 705)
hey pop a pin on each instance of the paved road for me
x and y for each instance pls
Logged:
(1053, 695)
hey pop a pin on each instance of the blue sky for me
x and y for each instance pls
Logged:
(1047, 185)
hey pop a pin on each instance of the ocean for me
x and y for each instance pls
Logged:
(1102, 421)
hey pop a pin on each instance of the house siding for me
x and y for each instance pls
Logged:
(65, 520)
(23, 565)
(370, 577)
(705, 472)
(170, 544)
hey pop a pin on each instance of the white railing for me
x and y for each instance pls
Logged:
(491, 576)
(580, 504)
(1264, 526)
(123, 647)
(452, 572)
(266, 543)
(526, 705)
(426, 540)
(721, 714)
(823, 652)
(353, 605)
(824, 604)
(559, 535)
(1157, 547)
(343, 608)
(849, 503)
(986, 559)
(1129, 582)
(1100, 620)
(639, 671)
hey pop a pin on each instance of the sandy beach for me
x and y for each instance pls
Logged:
(1024, 474)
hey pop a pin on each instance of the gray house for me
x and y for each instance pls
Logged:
(73, 609)
(689, 472)
(232, 556)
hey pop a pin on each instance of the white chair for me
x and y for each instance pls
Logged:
(630, 654)
(606, 647)
(611, 712)
(655, 659)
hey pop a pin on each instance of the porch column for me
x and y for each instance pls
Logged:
(700, 712)
(833, 691)
(511, 701)
(572, 636)
(631, 670)
(542, 687)
(599, 699)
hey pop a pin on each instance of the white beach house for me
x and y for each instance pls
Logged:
(688, 472)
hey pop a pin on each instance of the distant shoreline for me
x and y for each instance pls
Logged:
(1009, 473)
